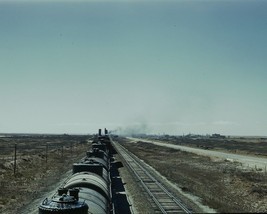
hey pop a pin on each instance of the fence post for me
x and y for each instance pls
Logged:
(71, 149)
(46, 153)
(15, 159)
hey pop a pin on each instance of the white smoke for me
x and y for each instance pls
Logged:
(131, 130)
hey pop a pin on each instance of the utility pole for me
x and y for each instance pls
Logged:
(15, 159)
(46, 153)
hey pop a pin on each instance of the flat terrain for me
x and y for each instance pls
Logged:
(222, 184)
(41, 162)
(252, 146)
(247, 161)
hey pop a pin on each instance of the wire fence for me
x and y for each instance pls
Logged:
(12, 155)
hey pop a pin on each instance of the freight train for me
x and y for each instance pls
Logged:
(88, 190)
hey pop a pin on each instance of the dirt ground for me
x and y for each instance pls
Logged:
(254, 146)
(222, 185)
(41, 161)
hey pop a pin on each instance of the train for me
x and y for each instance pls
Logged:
(88, 189)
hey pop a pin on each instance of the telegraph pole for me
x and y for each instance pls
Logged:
(15, 159)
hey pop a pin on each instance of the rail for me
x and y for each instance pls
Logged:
(165, 201)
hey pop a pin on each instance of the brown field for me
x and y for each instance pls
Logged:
(41, 161)
(241, 145)
(222, 185)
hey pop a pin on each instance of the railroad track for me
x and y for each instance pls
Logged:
(164, 201)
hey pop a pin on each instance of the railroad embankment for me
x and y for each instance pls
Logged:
(223, 185)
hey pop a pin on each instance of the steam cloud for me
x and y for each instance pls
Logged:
(135, 129)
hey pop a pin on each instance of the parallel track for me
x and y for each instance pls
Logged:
(163, 200)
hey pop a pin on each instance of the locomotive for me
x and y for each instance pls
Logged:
(88, 190)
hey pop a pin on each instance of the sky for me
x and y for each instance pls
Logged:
(156, 67)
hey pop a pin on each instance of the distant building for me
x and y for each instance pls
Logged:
(217, 136)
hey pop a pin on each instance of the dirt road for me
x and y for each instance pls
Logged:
(247, 161)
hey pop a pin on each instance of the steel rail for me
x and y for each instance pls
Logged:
(146, 178)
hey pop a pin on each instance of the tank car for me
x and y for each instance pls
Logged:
(94, 190)
(93, 166)
(89, 186)
(64, 203)
(98, 156)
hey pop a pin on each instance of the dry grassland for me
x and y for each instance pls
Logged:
(222, 185)
(36, 169)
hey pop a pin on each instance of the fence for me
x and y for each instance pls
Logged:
(13, 154)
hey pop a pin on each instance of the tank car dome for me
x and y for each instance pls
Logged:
(64, 204)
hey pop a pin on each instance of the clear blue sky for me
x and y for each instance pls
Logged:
(164, 67)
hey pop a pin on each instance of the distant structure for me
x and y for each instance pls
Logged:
(217, 136)
(100, 132)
